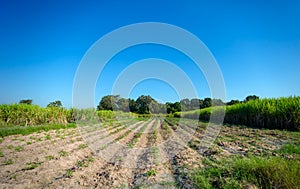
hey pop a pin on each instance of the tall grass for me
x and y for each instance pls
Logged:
(270, 172)
(26, 115)
(30, 115)
(263, 172)
(280, 113)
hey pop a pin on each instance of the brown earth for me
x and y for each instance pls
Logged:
(62, 158)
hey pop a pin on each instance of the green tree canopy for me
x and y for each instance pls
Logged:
(109, 102)
(251, 97)
(232, 102)
(26, 101)
(207, 102)
(133, 107)
(56, 103)
(173, 107)
(145, 104)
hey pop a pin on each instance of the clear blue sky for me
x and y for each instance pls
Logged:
(256, 44)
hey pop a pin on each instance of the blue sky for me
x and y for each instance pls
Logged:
(256, 44)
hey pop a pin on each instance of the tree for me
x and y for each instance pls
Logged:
(251, 97)
(108, 102)
(55, 104)
(173, 107)
(133, 107)
(232, 102)
(217, 102)
(143, 103)
(195, 104)
(207, 102)
(123, 105)
(185, 104)
(162, 108)
(27, 101)
(201, 103)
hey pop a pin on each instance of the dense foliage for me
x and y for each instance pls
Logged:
(148, 105)
(26, 114)
(281, 113)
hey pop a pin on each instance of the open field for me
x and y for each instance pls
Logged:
(240, 157)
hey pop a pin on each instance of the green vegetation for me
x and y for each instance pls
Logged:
(290, 149)
(47, 137)
(9, 162)
(63, 153)
(106, 114)
(138, 135)
(49, 157)
(80, 163)
(82, 146)
(30, 166)
(281, 113)
(25, 130)
(150, 173)
(18, 148)
(267, 172)
(166, 127)
(143, 104)
(69, 173)
(28, 115)
(1, 153)
(90, 159)
(55, 104)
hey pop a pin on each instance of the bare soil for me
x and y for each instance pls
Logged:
(62, 158)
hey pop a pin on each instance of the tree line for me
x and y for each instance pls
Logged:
(145, 104)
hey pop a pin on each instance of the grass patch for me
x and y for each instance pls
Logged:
(47, 137)
(82, 146)
(151, 173)
(18, 148)
(9, 162)
(90, 159)
(80, 164)
(30, 166)
(130, 145)
(25, 130)
(268, 172)
(63, 153)
(69, 173)
(272, 172)
(1, 153)
(290, 149)
(49, 157)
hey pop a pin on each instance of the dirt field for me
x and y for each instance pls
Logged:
(124, 154)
